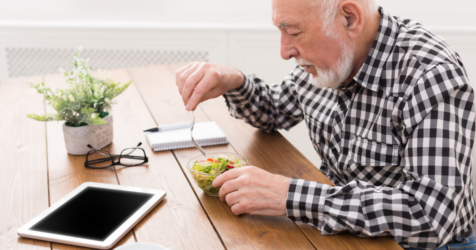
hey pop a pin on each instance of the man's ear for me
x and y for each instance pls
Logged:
(353, 17)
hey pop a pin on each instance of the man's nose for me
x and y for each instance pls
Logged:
(288, 50)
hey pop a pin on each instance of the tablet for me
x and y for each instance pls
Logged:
(93, 215)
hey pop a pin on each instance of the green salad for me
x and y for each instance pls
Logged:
(205, 171)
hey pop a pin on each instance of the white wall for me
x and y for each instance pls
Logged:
(435, 13)
(236, 32)
(429, 12)
(242, 11)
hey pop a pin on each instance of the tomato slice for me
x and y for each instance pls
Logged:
(232, 162)
(210, 159)
(217, 161)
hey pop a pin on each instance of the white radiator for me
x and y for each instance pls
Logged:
(38, 61)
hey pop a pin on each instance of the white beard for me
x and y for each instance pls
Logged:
(332, 78)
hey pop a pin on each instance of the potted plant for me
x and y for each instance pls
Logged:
(85, 107)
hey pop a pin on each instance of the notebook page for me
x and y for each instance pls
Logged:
(201, 131)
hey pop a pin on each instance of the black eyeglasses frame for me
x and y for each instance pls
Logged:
(112, 158)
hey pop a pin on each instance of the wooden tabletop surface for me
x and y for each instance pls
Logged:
(36, 171)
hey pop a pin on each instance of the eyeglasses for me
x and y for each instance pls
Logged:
(101, 158)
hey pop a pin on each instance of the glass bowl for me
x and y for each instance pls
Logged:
(205, 180)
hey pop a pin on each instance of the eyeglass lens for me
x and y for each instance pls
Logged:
(100, 159)
(132, 157)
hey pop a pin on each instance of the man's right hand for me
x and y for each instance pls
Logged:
(200, 81)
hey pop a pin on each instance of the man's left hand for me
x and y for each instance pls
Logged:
(251, 190)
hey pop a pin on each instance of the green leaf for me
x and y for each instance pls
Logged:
(42, 118)
(84, 100)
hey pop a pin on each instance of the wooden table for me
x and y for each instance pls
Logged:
(36, 171)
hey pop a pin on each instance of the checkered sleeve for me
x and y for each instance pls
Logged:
(437, 129)
(267, 107)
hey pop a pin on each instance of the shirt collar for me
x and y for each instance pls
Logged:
(369, 74)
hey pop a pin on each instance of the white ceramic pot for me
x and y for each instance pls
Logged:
(77, 138)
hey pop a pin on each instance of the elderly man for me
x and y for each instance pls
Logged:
(389, 110)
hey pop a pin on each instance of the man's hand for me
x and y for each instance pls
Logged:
(200, 81)
(251, 190)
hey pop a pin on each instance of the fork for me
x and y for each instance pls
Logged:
(193, 140)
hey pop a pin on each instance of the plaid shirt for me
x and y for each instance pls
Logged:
(396, 141)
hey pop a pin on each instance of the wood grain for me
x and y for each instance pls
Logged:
(275, 154)
(237, 232)
(178, 221)
(23, 163)
(66, 172)
(33, 157)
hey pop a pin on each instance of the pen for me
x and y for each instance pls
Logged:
(170, 127)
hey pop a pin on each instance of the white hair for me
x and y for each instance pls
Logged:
(329, 11)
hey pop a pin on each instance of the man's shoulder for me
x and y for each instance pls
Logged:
(420, 43)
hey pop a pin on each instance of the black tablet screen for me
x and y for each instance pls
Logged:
(94, 213)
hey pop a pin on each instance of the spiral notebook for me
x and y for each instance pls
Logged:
(205, 133)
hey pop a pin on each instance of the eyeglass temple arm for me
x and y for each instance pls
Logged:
(97, 150)
(138, 145)
(91, 147)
